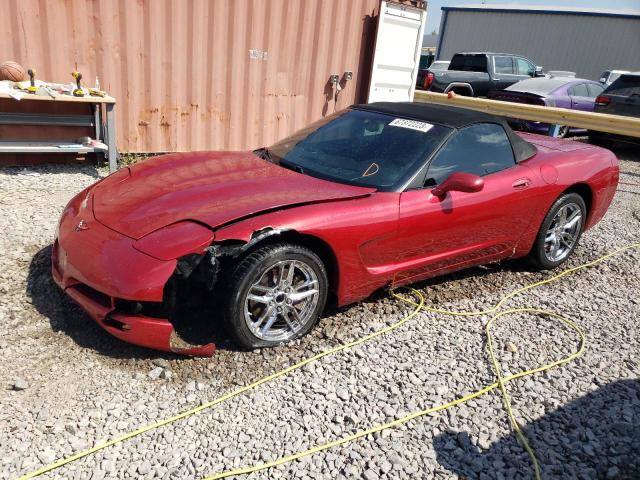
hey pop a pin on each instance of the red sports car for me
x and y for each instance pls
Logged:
(375, 195)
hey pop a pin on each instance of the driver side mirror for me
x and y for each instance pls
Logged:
(459, 182)
(539, 72)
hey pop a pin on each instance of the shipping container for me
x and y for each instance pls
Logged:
(200, 74)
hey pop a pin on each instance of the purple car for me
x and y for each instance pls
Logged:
(563, 92)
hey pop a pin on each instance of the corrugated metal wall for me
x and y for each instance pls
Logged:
(585, 44)
(199, 74)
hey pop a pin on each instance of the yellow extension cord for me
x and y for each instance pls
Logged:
(500, 383)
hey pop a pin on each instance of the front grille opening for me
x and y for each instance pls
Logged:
(95, 295)
(144, 309)
(192, 309)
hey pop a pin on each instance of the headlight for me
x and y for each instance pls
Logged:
(176, 240)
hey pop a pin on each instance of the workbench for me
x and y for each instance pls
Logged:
(100, 118)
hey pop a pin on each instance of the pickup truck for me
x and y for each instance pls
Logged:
(474, 74)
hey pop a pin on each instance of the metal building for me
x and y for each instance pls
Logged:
(585, 41)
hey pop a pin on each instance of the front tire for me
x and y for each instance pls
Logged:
(276, 294)
(560, 232)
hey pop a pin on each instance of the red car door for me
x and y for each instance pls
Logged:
(439, 234)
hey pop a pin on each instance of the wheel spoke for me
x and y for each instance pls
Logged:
(555, 247)
(267, 312)
(260, 288)
(562, 215)
(567, 239)
(287, 280)
(295, 323)
(273, 316)
(305, 285)
(573, 220)
(299, 296)
(260, 298)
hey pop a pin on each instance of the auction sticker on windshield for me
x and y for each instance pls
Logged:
(412, 124)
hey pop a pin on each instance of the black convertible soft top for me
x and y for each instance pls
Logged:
(454, 117)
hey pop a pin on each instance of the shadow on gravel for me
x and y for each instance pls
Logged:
(64, 315)
(450, 290)
(595, 436)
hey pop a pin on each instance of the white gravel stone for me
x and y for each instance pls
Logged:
(20, 384)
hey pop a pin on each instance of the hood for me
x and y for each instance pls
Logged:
(209, 187)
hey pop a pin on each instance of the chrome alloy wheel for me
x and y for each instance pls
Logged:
(563, 232)
(282, 301)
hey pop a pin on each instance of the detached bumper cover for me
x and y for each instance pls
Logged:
(95, 266)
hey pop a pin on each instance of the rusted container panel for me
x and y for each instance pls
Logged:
(200, 74)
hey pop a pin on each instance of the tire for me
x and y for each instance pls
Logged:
(559, 235)
(267, 304)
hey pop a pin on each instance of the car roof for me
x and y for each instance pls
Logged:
(491, 53)
(453, 117)
(441, 114)
(544, 85)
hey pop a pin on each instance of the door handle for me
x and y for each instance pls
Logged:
(521, 183)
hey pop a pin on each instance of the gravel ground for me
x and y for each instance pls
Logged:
(67, 385)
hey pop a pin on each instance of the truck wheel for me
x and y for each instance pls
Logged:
(463, 92)
(276, 295)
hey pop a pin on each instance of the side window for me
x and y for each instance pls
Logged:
(479, 149)
(579, 90)
(503, 65)
(594, 90)
(525, 68)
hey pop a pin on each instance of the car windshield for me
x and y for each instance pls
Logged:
(359, 147)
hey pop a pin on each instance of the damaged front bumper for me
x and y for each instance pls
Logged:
(100, 270)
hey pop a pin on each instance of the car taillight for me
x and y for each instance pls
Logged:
(428, 80)
(603, 100)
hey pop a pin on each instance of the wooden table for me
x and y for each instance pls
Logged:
(103, 122)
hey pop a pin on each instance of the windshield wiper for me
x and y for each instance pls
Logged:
(263, 153)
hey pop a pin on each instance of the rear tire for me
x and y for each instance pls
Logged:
(559, 233)
(275, 295)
